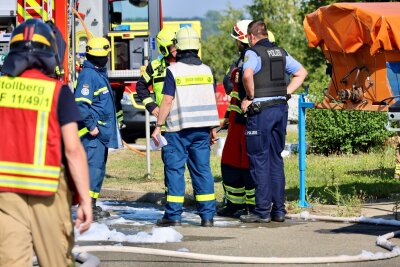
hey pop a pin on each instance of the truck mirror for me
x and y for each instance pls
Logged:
(139, 3)
(116, 18)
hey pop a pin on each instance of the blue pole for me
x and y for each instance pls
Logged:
(302, 147)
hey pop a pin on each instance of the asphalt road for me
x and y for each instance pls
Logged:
(289, 239)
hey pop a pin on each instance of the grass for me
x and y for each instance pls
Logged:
(344, 181)
(292, 137)
(127, 170)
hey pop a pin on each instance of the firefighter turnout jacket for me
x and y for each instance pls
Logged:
(95, 100)
(154, 75)
(30, 162)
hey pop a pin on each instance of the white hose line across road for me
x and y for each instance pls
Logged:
(382, 241)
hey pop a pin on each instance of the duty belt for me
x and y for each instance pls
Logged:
(265, 104)
(257, 107)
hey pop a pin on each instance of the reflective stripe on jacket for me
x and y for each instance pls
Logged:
(160, 71)
(95, 100)
(154, 75)
(194, 103)
(30, 154)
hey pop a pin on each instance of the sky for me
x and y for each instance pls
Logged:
(192, 8)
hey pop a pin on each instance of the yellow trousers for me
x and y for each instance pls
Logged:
(42, 224)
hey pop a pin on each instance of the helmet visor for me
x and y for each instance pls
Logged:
(234, 33)
(34, 46)
(241, 37)
(164, 51)
(98, 51)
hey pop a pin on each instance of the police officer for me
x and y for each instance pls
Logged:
(236, 180)
(190, 112)
(238, 185)
(40, 146)
(156, 71)
(98, 129)
(265, 103)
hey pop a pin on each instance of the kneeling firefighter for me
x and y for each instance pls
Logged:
(99, 129)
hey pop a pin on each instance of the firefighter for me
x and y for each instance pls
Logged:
(236, 180)
(98, 130)
(156, 71)
(40, 146)
(266, 89)
(190, 112)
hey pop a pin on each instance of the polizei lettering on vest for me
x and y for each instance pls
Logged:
(274, 53)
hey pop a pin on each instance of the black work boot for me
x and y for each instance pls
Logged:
(98, 212)
(254, 218)
(278, 217)
(207, 223)
(246, 211)
(229, 210)
(164, 222)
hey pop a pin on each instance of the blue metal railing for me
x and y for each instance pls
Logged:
(302, 146)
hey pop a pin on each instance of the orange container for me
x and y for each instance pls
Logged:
(362, 43)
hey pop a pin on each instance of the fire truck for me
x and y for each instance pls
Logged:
(130, 25)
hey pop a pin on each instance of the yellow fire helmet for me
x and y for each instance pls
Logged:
(187, 39)
(165, 38)
(98, 47)
(271, 37)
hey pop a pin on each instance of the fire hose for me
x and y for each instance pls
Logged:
(381, 241)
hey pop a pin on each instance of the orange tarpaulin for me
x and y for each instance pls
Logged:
(345, 27)
(361, 41)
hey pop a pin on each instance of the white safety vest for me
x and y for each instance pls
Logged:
(194, 103)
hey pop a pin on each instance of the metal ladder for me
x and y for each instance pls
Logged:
(40, 8)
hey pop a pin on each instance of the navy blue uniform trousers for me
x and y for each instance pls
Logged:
(189, 147)
(97, 154)
(265, 140)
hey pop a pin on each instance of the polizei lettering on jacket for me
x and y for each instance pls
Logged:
(26, 93)
(274, 53)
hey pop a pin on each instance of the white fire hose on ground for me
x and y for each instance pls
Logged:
(88, 260)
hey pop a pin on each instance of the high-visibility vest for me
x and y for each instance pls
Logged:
(30, 153)
(160, 71)
(194, 103)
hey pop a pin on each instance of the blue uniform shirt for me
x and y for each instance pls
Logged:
(253, 61)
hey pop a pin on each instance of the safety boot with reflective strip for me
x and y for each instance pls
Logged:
(98, 212)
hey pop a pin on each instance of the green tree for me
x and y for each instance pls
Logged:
(220, 50)
(209, 27)
(285, 20)
(282, 18)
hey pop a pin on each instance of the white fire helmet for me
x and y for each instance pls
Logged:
(239, 31)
